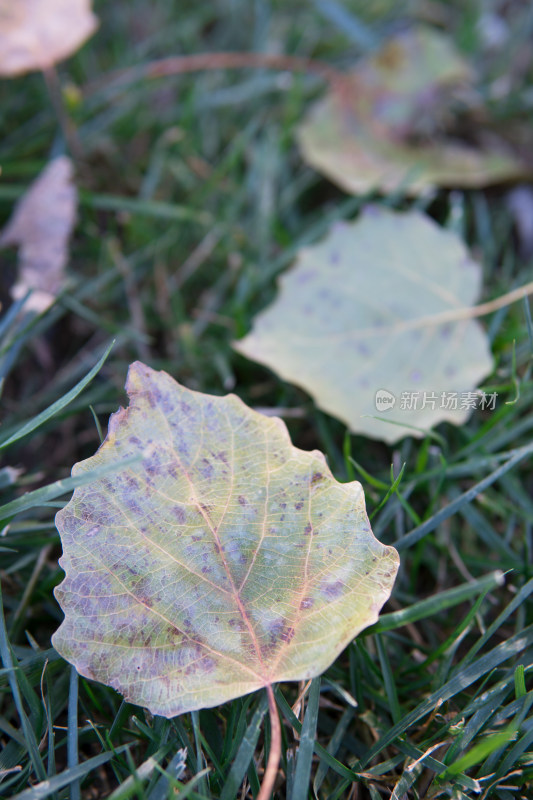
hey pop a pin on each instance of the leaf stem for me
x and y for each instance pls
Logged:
(441, 318)
(199, 62)
(274, 756)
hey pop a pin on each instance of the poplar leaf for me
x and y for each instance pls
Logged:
(399, 119)
(36, 34)
(222, 562)
(359, 319)
(40, 226)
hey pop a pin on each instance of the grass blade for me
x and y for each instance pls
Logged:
(41, 496)
(173, 771)
(72, 734)
(149, 208)
(435, 604)
(245, 752)
(7, 660)
(515, 603)
(333, 746)
(429, 525)
(56, 407)
(48, 787)
(304, 758)
(458, 683)
(388, 680)
(321, 752)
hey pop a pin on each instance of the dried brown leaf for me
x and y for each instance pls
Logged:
(36, 34)
(40, 226)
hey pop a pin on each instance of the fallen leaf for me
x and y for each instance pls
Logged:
(36, 34)
(226, 560)
(41, 225)
(394, 124)
(358, 314)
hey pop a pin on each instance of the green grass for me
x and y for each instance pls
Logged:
(193, 200)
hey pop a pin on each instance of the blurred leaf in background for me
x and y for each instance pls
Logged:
(36, 34)
(407, 118)
(41, 225)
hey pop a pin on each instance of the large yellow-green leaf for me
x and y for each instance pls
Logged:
(395, 123)
(224, 561)
(354, 317)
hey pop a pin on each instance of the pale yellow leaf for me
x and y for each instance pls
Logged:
(370, 310)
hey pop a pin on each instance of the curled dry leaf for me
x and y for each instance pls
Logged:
(40, 226)
(36, 34)
(362, 311)
(396, 122)
(224, 561)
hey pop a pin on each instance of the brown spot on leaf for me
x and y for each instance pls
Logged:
(307, 602)
(180, 514)
(174, 633)
(332, 590)
(207, 664)
(250, 650)
(242, 500)
(206, 469)
(84, 512)
(152, 398)
(276, 630)
(134, 507)
(288, 634)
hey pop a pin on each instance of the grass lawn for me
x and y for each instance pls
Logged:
(194, 198)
